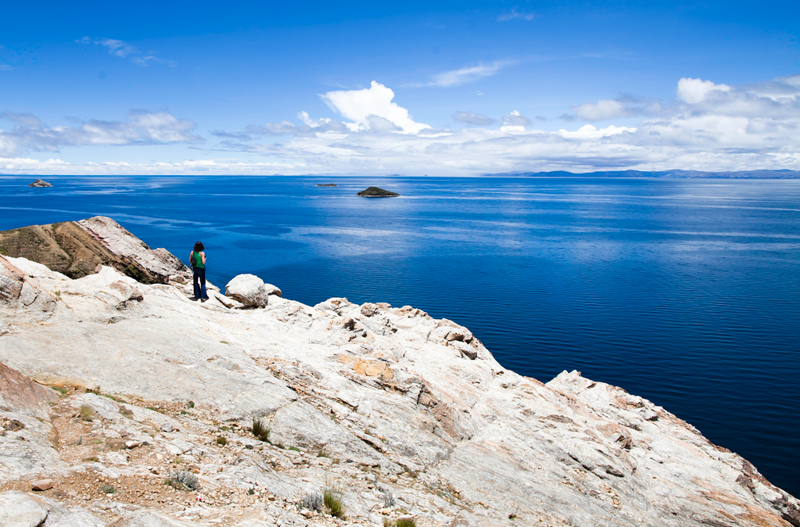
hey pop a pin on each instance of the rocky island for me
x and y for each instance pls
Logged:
(125, 404)
(376, 192)
(40, 183)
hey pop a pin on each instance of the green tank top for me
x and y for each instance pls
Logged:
(198, 260)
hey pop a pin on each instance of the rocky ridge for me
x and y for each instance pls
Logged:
(406, 415)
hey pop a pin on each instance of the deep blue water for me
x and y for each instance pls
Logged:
(686, 292)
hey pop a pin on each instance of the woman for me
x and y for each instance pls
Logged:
(198, 260)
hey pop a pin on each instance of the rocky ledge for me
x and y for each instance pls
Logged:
(376, 192)
(126, 404)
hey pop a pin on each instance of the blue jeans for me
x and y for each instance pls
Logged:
(199, 280)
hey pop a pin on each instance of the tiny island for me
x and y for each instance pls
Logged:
(376, 192)
(326, 184)
(40, 183)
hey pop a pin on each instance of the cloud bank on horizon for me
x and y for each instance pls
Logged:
(708, 126)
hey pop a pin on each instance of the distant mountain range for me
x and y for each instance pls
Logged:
(743, 174)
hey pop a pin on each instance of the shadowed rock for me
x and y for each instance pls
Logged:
(376, 192)
(79, 248)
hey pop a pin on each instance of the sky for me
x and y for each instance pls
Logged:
(372, 88)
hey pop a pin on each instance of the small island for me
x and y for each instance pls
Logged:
(326, 184)
(375, 192)
(40, 183)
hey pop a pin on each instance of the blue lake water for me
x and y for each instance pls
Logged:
(686, 292)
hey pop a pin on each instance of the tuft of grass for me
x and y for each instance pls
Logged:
(108, 489)
(221, 440)
(333, 499)
(260, 429)
(86, 413)
(190, 404)
(183, 480)
(294, 448)
(402, 522)
(61, 389)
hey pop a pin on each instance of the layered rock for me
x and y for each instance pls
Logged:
(80, 248)
(406, 413)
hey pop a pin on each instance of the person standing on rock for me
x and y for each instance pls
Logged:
(198, 260)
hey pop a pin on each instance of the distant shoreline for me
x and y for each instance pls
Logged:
(610, 174)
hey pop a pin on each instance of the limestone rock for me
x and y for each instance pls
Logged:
(248, 289)
(147, 518)
(18, 509)
(383, 401)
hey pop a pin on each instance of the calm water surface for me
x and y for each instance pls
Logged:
(686, 292)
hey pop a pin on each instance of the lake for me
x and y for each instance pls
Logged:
(686, 292)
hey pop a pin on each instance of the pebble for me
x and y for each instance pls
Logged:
(42, 484)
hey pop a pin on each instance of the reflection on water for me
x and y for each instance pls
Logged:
(682, 291)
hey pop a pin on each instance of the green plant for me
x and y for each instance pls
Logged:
(108, 489)
(333, 499)
(260, 429)
(294, 448)
(86, 413)
(221, 440)
(190, 404)
(60, 389)
(402, 522)
(183, 480)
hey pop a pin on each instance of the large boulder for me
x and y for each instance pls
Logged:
(248, 289)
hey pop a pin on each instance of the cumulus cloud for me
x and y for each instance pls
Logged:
(601, 110)
(693, 91)
(141, 128)
(473, 118)
(124, 50)
(743, 127)
(361, 107)
(516, 119)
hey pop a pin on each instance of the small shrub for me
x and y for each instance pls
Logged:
(108, 489)
(260, 429)
(183, 480)
(405, 522)
(388, 497)
(333, 499)
(190, 404)
(86, 413)
(221, 440)
(312, 501)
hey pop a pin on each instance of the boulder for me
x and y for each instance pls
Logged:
(250, 290)
(18, 509)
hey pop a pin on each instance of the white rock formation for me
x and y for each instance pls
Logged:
(250, 290)
(406, 413)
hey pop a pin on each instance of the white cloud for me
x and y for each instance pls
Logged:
(141, 128)
(473, 118)
(122, 49)
(601, 110)
(693, 91)
(740, 128)
(363, 106)
(514, 14)
(516, 119)
(467, 74)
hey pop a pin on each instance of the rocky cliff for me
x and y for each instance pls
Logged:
(154, 400)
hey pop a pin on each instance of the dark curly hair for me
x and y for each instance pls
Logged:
(198, 247)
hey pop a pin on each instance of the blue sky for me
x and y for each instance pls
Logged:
(445, 88)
